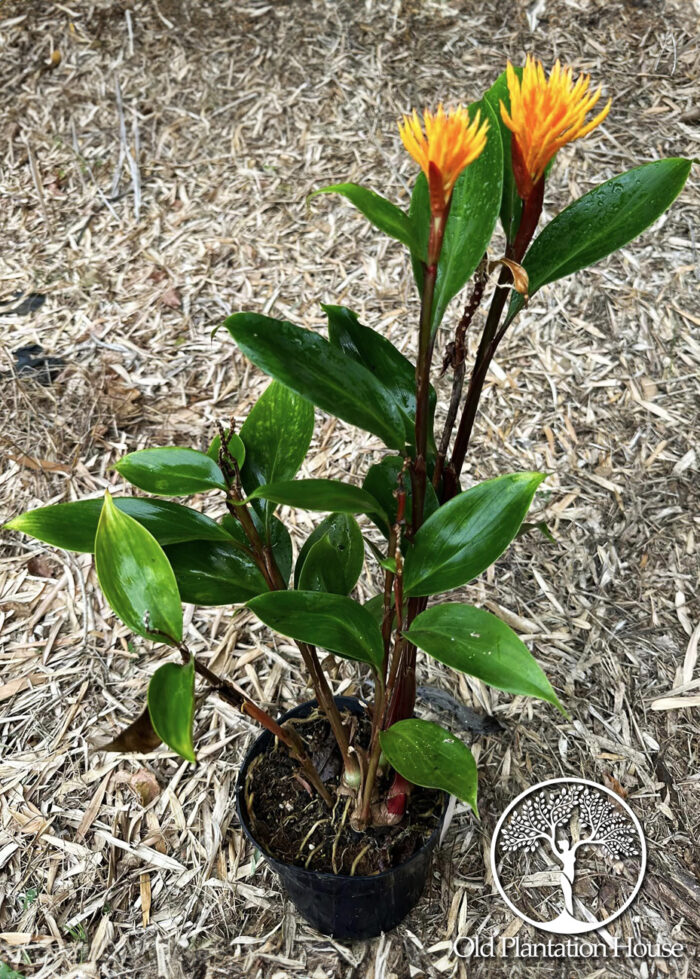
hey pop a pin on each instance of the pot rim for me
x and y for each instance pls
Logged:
(302, 872)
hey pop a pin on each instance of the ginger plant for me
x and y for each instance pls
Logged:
(477, 164)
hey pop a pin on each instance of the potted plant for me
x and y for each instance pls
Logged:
(345, 797)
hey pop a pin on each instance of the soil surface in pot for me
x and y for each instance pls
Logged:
(292, 824)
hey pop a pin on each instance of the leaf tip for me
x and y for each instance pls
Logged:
(559, 706)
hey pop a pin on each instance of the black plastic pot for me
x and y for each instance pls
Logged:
(348, 908)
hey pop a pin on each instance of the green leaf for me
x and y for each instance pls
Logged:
(430, 755)
(171, 706)
(468, 534)
(279, 540)
(277, 434)
(333, 622)
(235, 447)
(317, 370)
(375, 606)
(380, 356)
(214, 573)
(281, 544)
(136, 577)
(527, 528)
(171, 471)
(319, 494)
(476, 201)
(379, 211)
(419, 211)
(511, 205)
(381, 482)
(8, 973)
(73, 526)
(477, 643)
(332, 556)
(600, 222)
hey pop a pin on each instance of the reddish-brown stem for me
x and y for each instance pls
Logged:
(425, 355)
(456, 358)
(324, 696)
(375, 750)
(388, 608)
(238, 699)
(403, 687)
(532, 208)
(287, 736)
(265, 560)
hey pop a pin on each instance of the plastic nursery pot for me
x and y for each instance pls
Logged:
(348, 908)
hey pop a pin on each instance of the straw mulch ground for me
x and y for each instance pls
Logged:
(155, 163)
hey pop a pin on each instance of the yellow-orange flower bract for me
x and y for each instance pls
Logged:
(450, 143)
(546, 114)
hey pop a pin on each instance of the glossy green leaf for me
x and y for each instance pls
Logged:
(136, 577)
(511, 205)
(319, 494)
(430, 755)
(279, 540)
(332, 556)
(419, 211)
(375, 606)
(171, 471)
(380, 356)
(317, 370)
(476, 202)
(235, 447)
(381, 482)
(281, 544)
(600, 222)
(214, 573)
(171, 706)
(322, 571)
(73, 526)
(466, 535)
(477, 643)
(334, 622)
(541, 526)
(277, 434)
(388, 563)
(379, 211)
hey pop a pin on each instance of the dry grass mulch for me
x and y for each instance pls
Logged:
(155, 165)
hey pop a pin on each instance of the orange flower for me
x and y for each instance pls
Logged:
(450, 144)
(545, 114)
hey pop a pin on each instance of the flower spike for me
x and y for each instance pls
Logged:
(450, 143)
(546, 114)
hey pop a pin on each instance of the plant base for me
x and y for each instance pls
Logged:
(346, 907)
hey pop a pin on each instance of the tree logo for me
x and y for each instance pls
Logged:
(568, 856)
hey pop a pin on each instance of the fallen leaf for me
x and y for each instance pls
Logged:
(39, 465)
(612, 783)
(20, 683)
(649, 389)
(145, 886)
(145, 785)
(138, 736)
(42, 567)
(171, 298)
